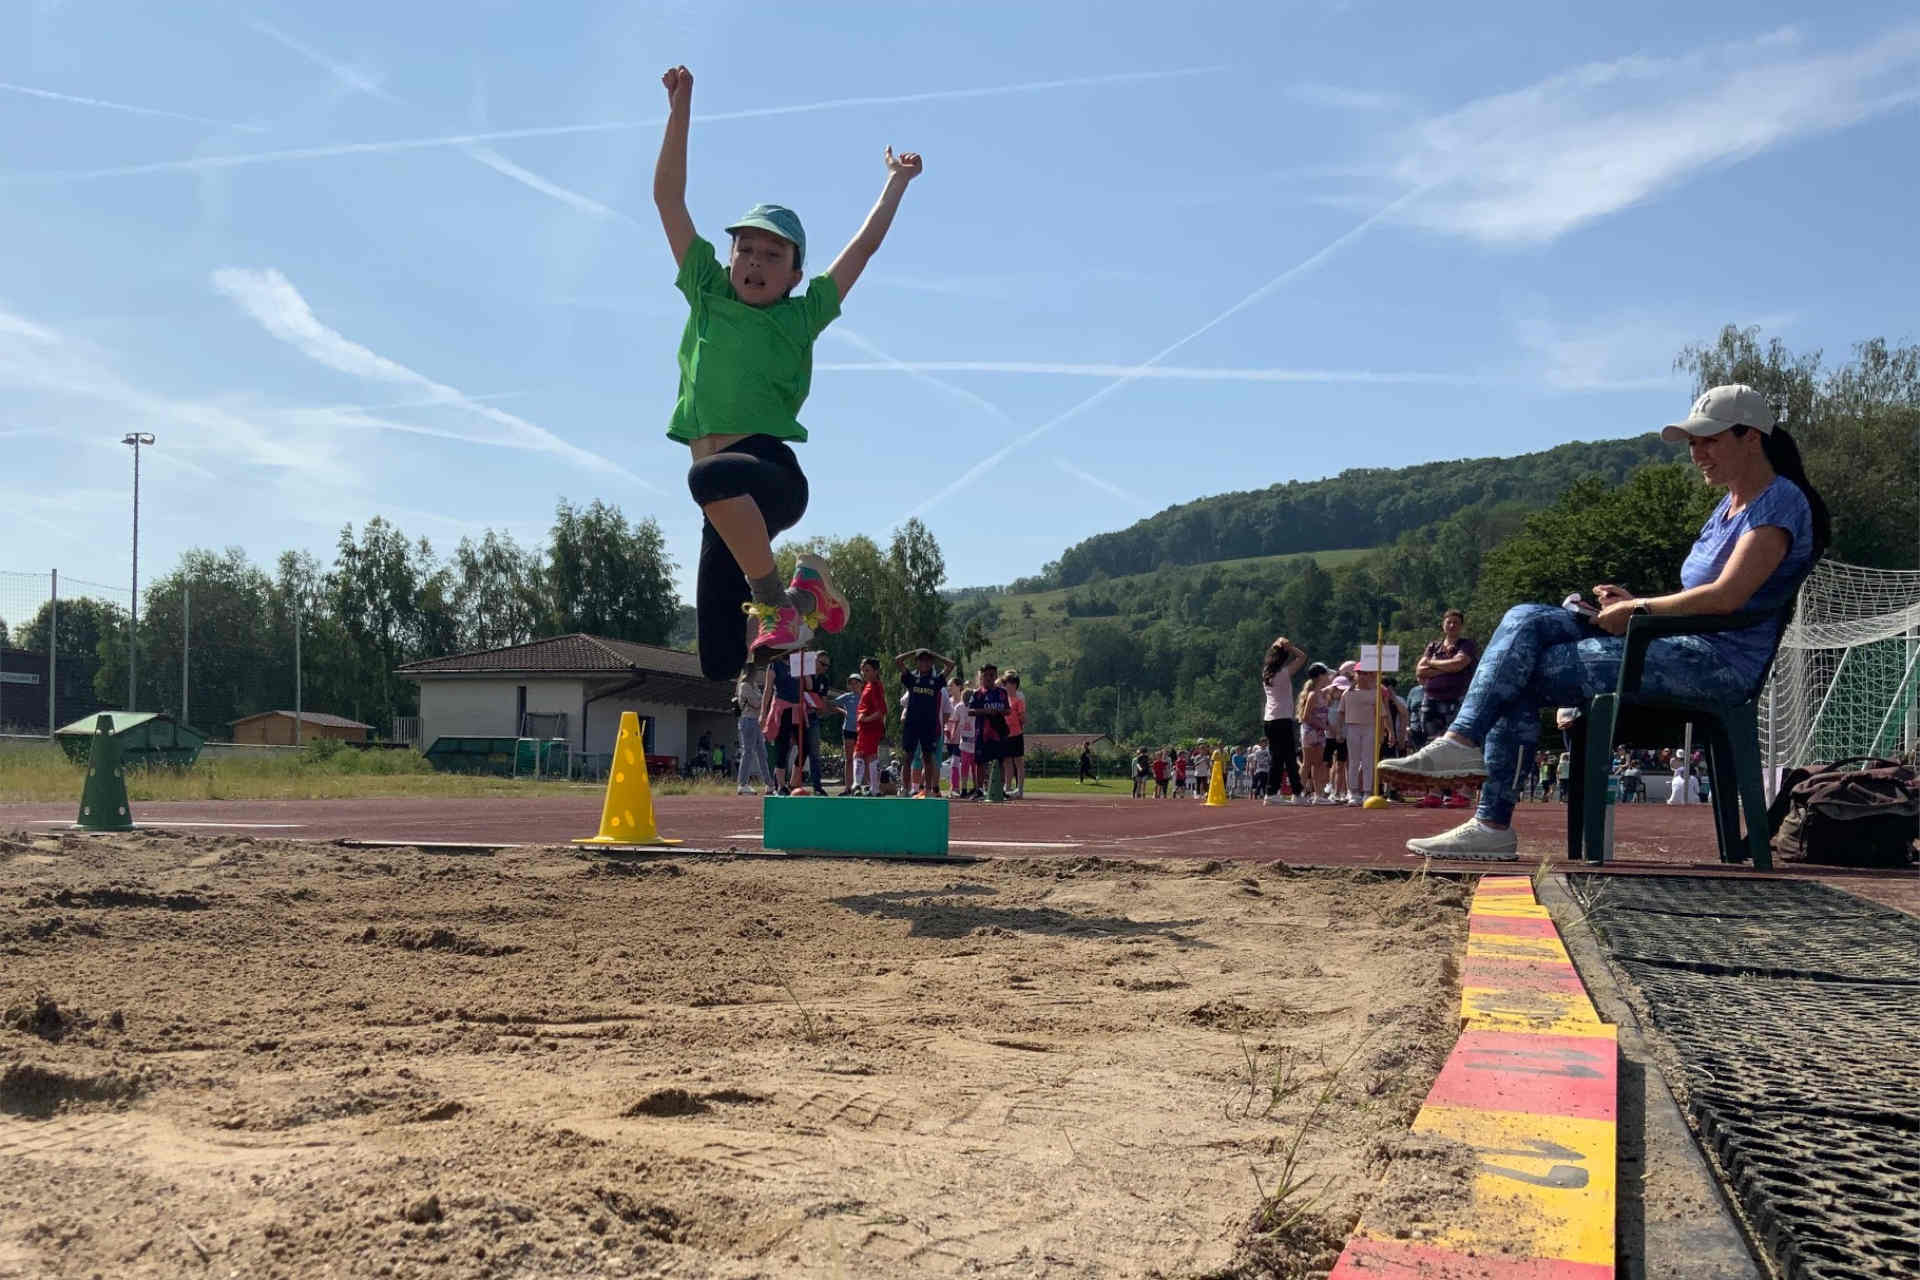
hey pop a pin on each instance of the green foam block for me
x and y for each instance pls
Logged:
(893, 828)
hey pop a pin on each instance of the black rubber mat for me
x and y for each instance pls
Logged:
(1826, 949)
(1727, 896)
(1795, 1012)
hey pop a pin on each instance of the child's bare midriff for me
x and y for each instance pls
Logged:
(707, 446)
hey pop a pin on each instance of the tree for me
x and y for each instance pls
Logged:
(328, 664)
(83, 622)
(498, 592)
(217, 606)
(372, 590)
(1636, 535)
(917, 571)
(609, 578)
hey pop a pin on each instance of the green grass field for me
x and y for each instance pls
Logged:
(32, 772)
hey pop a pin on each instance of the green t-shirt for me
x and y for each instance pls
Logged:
(745, 370)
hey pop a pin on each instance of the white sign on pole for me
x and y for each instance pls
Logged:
(1374, 657)
(805, 663)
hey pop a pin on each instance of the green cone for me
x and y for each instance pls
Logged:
(103, 801)
(996, 784)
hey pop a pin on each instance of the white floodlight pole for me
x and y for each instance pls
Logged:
(136, 439)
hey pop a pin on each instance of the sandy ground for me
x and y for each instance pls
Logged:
(227, 1057)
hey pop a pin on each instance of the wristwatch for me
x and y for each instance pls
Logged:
(1643, 608)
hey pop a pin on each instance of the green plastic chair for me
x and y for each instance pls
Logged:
(1730, 732)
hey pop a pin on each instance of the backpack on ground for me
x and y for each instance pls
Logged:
(1858, 812)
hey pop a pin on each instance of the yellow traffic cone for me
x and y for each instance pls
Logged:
(627, 816)
(1217, 781)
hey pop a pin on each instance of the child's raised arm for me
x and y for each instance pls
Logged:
(670, 173)
(846, 268)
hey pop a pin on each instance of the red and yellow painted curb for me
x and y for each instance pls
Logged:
(1532, 1088)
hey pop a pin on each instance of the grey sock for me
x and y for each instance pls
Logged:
(770, 590)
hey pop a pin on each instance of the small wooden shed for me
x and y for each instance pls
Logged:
(275, 728)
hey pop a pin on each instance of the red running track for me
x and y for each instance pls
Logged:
(1648, 838)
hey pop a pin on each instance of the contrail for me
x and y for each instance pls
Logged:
(548, 187)
(156, 112)
(360, 82)
(1107, 485)
(918, 372)
(1173, 372)
(199, 164)
(1136, 372)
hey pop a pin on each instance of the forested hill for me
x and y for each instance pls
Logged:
(1364, 507)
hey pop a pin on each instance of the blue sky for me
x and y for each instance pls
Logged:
(355, 258)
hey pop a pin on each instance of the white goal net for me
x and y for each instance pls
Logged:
(1847, 678)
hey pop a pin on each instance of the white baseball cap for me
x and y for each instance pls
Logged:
(1734, 405)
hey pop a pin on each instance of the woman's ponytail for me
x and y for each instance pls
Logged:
(1783, 455)
(1278, 655)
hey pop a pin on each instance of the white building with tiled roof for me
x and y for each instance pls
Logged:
(573, 687)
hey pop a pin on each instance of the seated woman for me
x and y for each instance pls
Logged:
(1758, 542)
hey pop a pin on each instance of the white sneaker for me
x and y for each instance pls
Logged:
(1440, 760)
(1472, 839)
(1355, 801)
(1295, 798)
(743, 791)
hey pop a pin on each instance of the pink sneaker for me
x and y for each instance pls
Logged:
(830, 607)
(781, 629)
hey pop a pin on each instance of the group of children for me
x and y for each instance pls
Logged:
(1179, 772)
(948, 730)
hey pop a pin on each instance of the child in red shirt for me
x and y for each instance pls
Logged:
(870, 716)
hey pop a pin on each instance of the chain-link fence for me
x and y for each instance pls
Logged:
(61, 638)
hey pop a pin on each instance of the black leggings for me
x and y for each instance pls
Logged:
(761, 468)
(1283, 740)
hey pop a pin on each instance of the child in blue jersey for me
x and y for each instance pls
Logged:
(746, 364)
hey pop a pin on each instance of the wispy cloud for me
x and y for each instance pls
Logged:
(1626, 350)
(1105, 486)
(1135, 372)
(127, 108)
(38, 361)
(1533, 164)
(1339, 98)
(196, 164)
(1179, 373)
(272, 301)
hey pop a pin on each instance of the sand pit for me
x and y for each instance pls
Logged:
(224, 1056)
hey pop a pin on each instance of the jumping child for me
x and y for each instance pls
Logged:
(746, 364)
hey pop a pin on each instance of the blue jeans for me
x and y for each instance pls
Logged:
(753, 750)
(1542, 655)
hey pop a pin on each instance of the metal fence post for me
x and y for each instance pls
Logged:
(53, 653)
(296, 665)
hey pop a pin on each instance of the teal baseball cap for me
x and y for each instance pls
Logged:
(781, 221)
